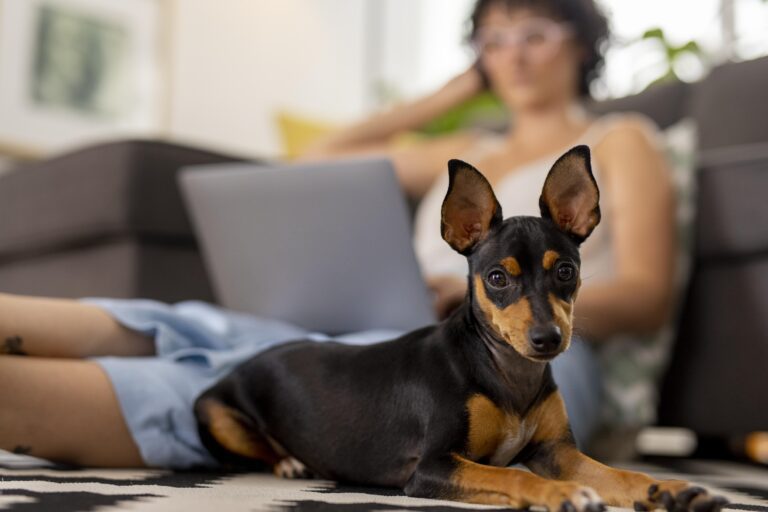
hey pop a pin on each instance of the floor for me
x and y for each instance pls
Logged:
(26, 485)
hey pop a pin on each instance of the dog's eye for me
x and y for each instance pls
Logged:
(566, 272)
(497, 279)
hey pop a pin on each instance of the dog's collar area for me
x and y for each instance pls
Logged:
(513, 378)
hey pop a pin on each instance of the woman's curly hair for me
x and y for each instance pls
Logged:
(589, 23)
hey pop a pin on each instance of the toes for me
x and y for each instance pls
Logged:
(686, 496)
(660, 497)
(673, 498)
(588, 500)
(584, 499)
(291, 468)
(595, 507)
(709, 504)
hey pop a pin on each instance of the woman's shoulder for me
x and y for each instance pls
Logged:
(626, 126)
(625, 134)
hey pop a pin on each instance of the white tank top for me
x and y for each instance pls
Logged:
(518, 194)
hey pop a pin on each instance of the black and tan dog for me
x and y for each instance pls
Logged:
(440, 412)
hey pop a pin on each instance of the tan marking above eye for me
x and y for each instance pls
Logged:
(511, 323)
(513, 267)
(549, 259)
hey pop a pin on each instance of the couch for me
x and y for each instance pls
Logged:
(716, 383)
(108, 220)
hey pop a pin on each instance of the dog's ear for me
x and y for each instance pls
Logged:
(470, 208)
(570, 197)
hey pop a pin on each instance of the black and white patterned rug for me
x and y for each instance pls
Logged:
(25, 485)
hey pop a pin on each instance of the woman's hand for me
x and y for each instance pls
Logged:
(419, 164)
(377, 132)
(449, 291)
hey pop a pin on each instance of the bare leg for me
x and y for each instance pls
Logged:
(45, 327)
(63, 410)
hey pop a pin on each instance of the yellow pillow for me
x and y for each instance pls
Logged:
(297, 132)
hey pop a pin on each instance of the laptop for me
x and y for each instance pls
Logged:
(326, 246)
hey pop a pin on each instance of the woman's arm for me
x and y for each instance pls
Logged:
(416, 165)
(642, 205)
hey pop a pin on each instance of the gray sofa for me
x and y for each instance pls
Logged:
(716, 383)
(108, 221)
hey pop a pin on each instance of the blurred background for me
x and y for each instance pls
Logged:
(250, 77)
(205, 82)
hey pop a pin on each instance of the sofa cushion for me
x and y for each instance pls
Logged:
(121, 267)
(716, 381)
(729, 105)
(732, 215)
(123, 188)
(723, 333)
(665, 103)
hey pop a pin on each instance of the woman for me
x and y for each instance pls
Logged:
(539, 57)
(113, 382)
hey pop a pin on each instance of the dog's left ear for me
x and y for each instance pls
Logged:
(570, 197)
(470, 208)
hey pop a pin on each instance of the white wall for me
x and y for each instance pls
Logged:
(235, 63)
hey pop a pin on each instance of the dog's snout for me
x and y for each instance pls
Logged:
(545, 339)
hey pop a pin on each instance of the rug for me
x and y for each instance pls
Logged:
(28, 485)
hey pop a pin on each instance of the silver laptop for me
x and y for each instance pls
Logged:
(326, 246)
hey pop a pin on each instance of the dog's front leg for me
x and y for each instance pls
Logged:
(457, 478)
(624, 488)
(555, 455)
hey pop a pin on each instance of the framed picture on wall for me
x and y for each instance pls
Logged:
(75, 72)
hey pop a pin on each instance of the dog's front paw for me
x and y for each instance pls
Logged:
(679, 496)
(571, 497)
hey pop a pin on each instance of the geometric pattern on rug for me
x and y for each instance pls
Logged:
(28, 485)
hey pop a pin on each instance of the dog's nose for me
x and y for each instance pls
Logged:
(545, 339)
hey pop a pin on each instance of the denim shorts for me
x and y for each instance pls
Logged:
(197, 344)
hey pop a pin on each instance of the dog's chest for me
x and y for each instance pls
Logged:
(493, 434)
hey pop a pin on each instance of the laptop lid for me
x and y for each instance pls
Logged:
(326, 246)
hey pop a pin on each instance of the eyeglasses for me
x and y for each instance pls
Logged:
(540, 37)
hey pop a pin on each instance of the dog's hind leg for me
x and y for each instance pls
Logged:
(231, 436)
(290, 467)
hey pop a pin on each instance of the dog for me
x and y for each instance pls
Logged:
(442, 411)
